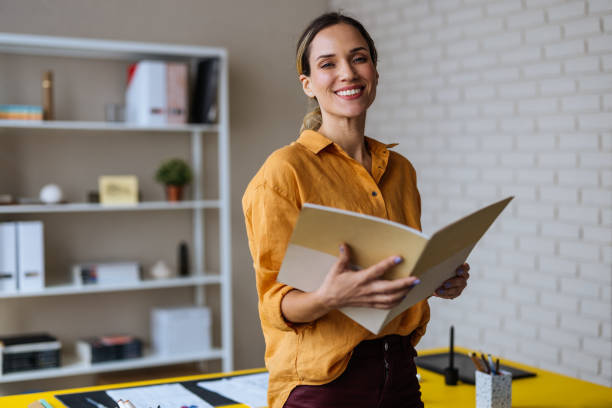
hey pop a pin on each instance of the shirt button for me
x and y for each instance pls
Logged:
(386, 346)
(374, 193)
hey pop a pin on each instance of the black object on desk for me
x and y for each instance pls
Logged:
(451, 373)
(438, 362)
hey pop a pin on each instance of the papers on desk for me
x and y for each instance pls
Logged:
(250, 389)
(165, 395)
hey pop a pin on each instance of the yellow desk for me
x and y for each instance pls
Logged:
(546, 390)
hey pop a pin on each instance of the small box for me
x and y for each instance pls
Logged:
(118, 190)
(108, 348)
(106, 273)
(493, 390)
(181, 330)
(29, 352)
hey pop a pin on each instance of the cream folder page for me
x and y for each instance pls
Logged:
(319, 231)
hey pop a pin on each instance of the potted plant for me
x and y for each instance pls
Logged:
(174, 174)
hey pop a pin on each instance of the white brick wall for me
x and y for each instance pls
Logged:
(510, 97)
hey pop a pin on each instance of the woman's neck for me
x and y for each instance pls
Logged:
(349, 134)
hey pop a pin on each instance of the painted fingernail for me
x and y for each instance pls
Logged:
(341, 249)
(460, 271)
(397, 260)
(416, 282)
(447, 285)
(441, 291)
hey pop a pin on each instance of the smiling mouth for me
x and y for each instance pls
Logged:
(354, 92)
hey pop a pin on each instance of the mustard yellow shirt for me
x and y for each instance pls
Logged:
(314, 169)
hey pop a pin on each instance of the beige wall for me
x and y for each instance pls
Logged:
(266, 106)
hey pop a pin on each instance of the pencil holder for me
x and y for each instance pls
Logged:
(493, 391)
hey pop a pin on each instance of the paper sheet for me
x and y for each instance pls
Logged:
(165, 395)
(251, 390)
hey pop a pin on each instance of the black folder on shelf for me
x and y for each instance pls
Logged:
(438, 362)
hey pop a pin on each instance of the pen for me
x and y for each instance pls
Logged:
(477, 362)
(491, 364)
(95, 403)
(486, 363)
(45, 403)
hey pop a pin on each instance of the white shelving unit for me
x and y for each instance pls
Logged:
(133, 51)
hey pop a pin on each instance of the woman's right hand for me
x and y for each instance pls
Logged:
(344, 286)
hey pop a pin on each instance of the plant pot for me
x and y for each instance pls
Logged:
(174, 193)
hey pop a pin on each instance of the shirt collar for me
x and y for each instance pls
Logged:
(315, 142)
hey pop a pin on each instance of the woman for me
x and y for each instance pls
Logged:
(316, 356)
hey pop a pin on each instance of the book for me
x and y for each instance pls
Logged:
(314, 247)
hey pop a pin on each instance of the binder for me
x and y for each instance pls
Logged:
(204, 106)
(157, 93)
(30, 256)
(145, 97)
(8, 257)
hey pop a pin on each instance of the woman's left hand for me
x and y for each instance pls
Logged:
(453, 287)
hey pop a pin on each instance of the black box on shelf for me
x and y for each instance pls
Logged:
(29, 352)
(108, 348)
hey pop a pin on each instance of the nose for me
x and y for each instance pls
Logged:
(347, 71)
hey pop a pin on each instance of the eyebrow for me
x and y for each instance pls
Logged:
(351, 52)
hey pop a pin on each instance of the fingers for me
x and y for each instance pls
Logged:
(344, 258)
(376, 271)
(453, 287)
(125, 404)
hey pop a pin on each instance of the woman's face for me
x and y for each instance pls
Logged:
(343, 77)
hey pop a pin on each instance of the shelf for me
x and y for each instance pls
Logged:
(105, 126)
(87, 207)
(73, 366)
(70, 289)
(102, 49)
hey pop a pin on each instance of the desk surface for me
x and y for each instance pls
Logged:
(546, 390)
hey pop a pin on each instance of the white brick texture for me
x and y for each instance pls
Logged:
(509, 97)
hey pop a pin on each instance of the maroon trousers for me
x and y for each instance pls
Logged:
(380, 374)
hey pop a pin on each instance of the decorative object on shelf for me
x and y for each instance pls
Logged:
(21, 112)
(108, 348)
(118, 190)
(157, 93)
(106, 273)
(174, 174)
(47, 95)
(160, 270)
(29, 352)
(183, 259)
(51, 194)
(114, 112)
(93, 197)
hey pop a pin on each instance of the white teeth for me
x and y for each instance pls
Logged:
(349, 92)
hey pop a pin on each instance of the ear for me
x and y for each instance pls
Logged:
(305, 80)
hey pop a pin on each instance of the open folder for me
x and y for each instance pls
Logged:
(319, 231)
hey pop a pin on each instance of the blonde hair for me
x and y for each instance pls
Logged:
(313, 118)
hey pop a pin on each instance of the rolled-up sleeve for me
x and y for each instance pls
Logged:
(269, 217)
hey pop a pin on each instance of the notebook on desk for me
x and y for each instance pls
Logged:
(438, 362)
